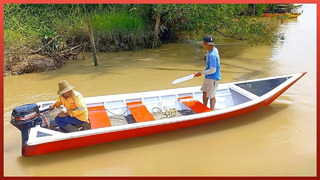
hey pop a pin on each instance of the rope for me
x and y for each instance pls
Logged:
(118, 114)
(168, 112)
(45, 120)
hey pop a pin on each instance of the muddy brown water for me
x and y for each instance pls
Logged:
(278, 140)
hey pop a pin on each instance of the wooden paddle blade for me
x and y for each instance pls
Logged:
(186, 78)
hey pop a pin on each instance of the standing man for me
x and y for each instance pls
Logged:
(77, 112)
(212, 72)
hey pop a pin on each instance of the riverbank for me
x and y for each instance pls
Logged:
(47, 29)
(31, 64)
(24, 63)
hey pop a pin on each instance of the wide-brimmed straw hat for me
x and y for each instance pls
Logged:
(64, 87)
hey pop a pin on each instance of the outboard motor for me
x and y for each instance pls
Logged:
(25, 117)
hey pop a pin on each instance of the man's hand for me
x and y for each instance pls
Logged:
(62, 114)
(198, 74)
(52, 107)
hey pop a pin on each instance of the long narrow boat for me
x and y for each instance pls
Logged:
(289, 15)
(116, 117)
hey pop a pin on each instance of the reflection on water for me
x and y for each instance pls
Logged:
(281, 136)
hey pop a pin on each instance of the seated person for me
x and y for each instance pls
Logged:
(77, 112)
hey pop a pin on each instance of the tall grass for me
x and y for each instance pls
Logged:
(32, 25)
(120, 26)
(20, 28)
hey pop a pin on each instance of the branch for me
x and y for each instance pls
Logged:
(34, 52)
(230, 36)
(71, 49)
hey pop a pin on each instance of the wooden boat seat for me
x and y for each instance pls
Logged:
(98, 117)
(139, 111)
(194, 104)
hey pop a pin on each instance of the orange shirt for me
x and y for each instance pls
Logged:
(75, 105)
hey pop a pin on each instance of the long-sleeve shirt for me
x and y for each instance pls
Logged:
(75, 106)
(212, 70)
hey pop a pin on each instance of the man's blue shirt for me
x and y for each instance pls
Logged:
(213, 60)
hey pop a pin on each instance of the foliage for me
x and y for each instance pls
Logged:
(260, 8)
(36, 24)
(122, 28)
(121, 22)
(32, 25)
(19, 24)
(224, 19)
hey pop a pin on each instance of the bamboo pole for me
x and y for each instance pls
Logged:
(92, 42)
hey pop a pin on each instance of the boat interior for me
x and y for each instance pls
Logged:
(106, 111)
(157, 107)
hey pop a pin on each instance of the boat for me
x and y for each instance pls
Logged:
(287, 10)
(289, 15)
(122, 116)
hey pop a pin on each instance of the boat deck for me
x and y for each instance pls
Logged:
(123, 111)
(129, 119)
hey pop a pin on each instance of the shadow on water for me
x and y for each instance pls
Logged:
(250, 73)
(176, 135)
(231, 51)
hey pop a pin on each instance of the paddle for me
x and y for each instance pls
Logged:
(186, 78)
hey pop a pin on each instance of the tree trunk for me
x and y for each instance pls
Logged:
(92, 42)
(156, 30)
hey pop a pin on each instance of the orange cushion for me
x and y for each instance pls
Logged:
(98, 117)
(139, 111)
(194, 105)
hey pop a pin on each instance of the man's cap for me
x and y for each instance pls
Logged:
(209, 40)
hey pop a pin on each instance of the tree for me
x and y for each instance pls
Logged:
(223, 19)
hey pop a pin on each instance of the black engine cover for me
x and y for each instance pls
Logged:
(25, 116)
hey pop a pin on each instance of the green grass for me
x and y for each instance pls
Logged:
(31, 25)
(120, 27)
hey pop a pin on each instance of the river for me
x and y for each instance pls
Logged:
(278, 140)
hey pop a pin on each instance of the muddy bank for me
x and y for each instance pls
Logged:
(46, 58)
(34, 63)
(18, 64)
